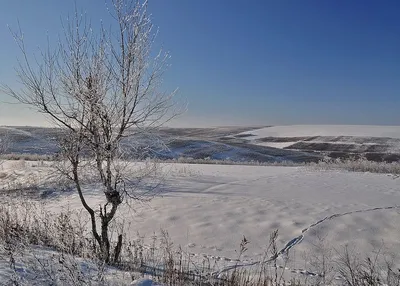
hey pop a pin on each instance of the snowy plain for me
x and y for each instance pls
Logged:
(207, 209)
(378, 142)
(326, 130)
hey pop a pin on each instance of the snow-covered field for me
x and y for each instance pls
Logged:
(377, 143)
(37, 266)
(295, 143)
(208, 209)
(326, 130)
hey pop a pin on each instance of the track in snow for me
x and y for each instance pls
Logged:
(297, 240)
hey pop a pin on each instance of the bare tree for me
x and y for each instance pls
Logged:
(100, 88)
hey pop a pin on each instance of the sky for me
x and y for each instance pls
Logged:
(255, 62)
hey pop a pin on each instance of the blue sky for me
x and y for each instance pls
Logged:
(250, 62)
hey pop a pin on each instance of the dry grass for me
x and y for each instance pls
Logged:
(27, 157)
(25, 226)
(352, 164)
(358, 165)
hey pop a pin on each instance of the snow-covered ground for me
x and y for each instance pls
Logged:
(36, 266)
(279, 145)
(208, 209)
(377, 142)
(187, 143)
(326, 130)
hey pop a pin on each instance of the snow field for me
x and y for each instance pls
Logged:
(326, 130)
(207, 209)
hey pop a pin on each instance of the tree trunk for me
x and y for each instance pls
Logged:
(117, 250)
(105, 242)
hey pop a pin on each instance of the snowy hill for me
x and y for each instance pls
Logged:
(295, 143)
(327, 130)
(190, 143)
(376, 143)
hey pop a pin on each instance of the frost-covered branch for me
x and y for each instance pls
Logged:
(100, 86)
